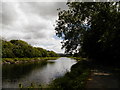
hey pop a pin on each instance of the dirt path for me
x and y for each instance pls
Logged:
(103, 78)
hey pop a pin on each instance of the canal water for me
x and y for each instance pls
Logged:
(25, 74)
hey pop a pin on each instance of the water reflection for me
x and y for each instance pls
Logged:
(35, 73)
(13, 71)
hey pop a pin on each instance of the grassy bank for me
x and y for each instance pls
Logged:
(25, 60)
(76, 79)
(78, 58)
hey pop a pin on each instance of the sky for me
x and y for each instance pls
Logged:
(32, 22)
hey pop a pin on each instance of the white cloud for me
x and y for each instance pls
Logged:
(32, 22)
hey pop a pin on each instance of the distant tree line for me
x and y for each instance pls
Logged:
(21, 49)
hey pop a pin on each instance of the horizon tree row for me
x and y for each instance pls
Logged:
(21, 49)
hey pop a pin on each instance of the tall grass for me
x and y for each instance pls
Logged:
(26, 60)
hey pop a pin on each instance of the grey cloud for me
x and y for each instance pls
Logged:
(28, 37)
(37, 35)
(15, 35)
(35, 27)
(61, 5)
(35, 31)
(21, 21)
(9, 13)
(0, 12)
(44, 9)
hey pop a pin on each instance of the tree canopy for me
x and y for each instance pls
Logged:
(90, 29)
(21, 49)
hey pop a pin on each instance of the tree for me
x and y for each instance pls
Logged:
(7, 48)
(21, 49)
(43, 52)
(90, 29)
(52, 54)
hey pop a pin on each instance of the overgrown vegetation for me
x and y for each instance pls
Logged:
(21, 49)
(91, 30)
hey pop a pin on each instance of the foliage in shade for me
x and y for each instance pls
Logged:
(91, 29)
(21, 49)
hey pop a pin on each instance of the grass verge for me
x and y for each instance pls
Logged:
(25, 60)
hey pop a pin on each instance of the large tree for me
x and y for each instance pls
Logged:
(90, 29)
